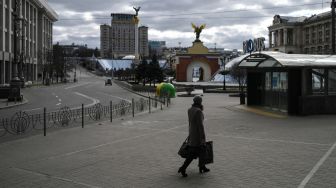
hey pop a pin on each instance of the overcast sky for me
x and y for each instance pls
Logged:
(228, 22)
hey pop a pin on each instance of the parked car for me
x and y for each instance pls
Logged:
(108, 82)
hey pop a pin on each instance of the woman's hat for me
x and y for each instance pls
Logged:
(197, 99)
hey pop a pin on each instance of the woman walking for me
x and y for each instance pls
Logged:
(196, 139)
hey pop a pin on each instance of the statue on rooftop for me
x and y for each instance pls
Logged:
(136, 10)
(136, 19)
(197, 30)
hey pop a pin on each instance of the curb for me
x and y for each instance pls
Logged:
(25, 101)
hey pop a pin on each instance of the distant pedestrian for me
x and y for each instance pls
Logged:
(196, 140)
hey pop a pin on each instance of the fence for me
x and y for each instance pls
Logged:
(22, 123)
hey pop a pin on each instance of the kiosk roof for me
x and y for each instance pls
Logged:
(278, 59)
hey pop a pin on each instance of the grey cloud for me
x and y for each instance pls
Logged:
(168, 15)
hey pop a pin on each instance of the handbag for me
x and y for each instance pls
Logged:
(208, 153)
(183, 151)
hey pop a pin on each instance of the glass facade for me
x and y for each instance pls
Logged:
(275, 93)
(332, 81)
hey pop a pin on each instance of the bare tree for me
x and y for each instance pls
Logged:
(240, 76)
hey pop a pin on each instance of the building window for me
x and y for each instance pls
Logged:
(326, 25)
(326, 49)
(318, 81)
(313, 50)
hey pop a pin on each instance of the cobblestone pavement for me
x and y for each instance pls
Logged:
(250, 150)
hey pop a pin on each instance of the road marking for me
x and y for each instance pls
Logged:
(60, 100)
(54, 177)
(111, 143)
(116, 97)
(94, 101)
(77, 85)
(58, 104)
(56, 96)
(317, 166)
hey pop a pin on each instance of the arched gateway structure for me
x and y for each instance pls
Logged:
(198, 56)
(299, 84)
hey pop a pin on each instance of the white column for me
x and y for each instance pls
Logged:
(2, 30)
(294, 36)
(275, 33)
(10, 43)
(9, 29)
(279, 38)
(270, 39)
(285, 39)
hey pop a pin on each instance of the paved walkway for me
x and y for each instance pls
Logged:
(251, 150)
(4, 103)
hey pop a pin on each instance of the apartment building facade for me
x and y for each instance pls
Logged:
(124, 37)
(143, 41)
(301, 35)
(105, 44)
(34, 23)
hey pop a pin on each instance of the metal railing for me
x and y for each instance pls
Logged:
(22, 123)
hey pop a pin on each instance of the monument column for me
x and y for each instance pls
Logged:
(136, 53)
(136, 28)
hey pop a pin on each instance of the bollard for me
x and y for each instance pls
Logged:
(155, 104)
(161, 103)
(149, 104)
(111, 111)
(167, 100)
(82, 115)
(45, 121)
(133, 107)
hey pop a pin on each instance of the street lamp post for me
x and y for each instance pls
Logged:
(111, 70)
(333, 4)
(74, 62)
(224, 73)
(22, 55)
(75, 76)
(15, 82)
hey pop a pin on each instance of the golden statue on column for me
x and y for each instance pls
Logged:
(198, 30)
(136, 19)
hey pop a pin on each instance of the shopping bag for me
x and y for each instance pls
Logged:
(183, 151)
(208, 153)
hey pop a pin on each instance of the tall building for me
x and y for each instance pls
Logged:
(143, 41)
(123, 37)
(34, 22)
(105, 47)
(308, 35)
(156, 47)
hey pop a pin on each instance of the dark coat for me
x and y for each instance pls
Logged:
(196, 127)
